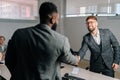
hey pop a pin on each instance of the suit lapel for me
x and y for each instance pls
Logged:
(101, 37)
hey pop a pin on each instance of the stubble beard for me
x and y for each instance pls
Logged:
(91, 30)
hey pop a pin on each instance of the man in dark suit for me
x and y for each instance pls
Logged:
(103, 46)
(35, 53)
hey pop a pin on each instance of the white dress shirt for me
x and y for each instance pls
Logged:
(96, 37)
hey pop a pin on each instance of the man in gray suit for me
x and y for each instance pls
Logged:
(103, 46)
(35, 53)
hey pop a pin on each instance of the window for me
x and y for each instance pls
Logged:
(92, 7)
(19, 9)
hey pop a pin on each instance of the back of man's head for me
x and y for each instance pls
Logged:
(46, 9)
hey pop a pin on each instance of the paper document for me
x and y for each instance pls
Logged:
(75, 70)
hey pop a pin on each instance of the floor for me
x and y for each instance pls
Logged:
(85, 63)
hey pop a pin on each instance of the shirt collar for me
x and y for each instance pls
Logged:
(98, 33)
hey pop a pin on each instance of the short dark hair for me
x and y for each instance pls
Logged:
(46, 8)
(91, 17)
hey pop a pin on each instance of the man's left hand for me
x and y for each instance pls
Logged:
(115, 66)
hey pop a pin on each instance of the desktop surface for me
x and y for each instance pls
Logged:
(82, 73)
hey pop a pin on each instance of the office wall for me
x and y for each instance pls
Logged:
(75, 29)
(8, 27)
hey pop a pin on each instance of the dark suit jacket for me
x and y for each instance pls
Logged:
(109, 49)
(35, 53)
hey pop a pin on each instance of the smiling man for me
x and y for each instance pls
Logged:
(103, 46)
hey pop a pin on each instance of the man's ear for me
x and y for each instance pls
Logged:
(52, 20)
(50, 17)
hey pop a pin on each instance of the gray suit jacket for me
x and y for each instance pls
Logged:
(110, 48)
(35, 53)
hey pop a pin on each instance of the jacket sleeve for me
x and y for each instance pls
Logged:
(66, 55)
(83, 49)
(115, 46)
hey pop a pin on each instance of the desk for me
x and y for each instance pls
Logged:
(85, 74)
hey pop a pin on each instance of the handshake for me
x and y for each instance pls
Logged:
(76, 54)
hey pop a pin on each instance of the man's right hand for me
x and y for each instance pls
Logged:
(78, 59)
